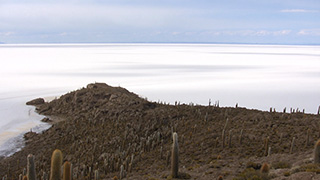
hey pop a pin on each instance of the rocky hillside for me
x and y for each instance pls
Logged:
(102, 127)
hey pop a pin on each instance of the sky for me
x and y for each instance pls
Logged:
(157, 21)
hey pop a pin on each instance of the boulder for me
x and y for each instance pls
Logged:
(36, 102)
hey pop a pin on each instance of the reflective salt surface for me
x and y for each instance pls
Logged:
(255, 76)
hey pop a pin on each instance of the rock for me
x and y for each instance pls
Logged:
(113, 96)
(29, 135)
(97, 85)
(47, 120)
(36, 102)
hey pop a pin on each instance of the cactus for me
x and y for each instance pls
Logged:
(168, 157)
(224, 132)
(130, 168)
(308, 138)
(240, 138)
(292, 145)
(317, 152)
(44, 176)
(225, 126)
(31, 169)
(223, 138)
(96, 175)
(121, 172)
(56, 163)
(132, 159)
(266, 146)
(67, 171)
(206, 117)
(230, 137)
(265, 168)
(175, 156)
(269, 151)
(71, 171)
(24, 172)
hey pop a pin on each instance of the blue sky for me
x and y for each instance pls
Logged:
(230, 21)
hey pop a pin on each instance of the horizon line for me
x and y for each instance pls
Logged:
(141, 42)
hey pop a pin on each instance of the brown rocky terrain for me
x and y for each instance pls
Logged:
(102, 127)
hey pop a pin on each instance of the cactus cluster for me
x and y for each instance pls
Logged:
(114, 142)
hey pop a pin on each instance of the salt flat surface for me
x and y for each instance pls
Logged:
(255, 76)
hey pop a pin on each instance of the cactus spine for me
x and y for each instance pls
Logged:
(56, 162)
(175, 156)
(317, 152)
(31, 169)
(67, 171)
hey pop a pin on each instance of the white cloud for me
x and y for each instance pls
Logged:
(249, 33)
(7, 33)
(69, 16)
(312, 32)
(63, 34)
(298, 11)
(282, 32)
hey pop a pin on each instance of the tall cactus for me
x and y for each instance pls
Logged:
(31, 169)
(67, 171)
(308, 138)
(292, 145)
(175, 157)
(266, 146)
(121, 172)
(56, 163)
(317, 152)
(96, 175)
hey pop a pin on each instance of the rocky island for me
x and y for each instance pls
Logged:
(108, 132)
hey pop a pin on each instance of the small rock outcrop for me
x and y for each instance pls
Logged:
(36, 102)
